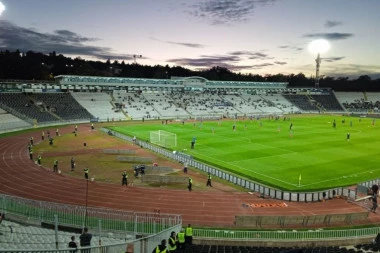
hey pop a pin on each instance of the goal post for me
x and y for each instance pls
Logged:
(163, 138)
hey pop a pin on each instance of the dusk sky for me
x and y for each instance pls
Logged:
(247, 36)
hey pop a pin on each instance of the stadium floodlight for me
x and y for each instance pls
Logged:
(136, 56)
(2, 8)
(318, 47)
(163, 138)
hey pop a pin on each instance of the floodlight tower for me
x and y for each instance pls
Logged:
(136, 56)
(318, 47)
(318, 63)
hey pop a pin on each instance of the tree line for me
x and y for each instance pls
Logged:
(38, 66)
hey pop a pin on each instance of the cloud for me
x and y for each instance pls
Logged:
(208, 61)
(352, 70)
(251, 55)
(329, 36)
(185, 44)
(262, 65)
(14, 37)
(295, 48)
(205, 61)
(230, 61)
(221, 12)
(332, 23)
(192, 45)
(71, 36)
(333, 59)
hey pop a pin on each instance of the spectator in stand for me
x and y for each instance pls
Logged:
(73, 244)
(85, 239)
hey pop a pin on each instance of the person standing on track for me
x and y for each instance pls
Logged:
(125, 179)
(190, 186)
(86, 171)
(55, 165)
(72, 161)
(39, 158)
(209, 180)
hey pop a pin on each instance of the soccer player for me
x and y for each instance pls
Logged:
(348, 136)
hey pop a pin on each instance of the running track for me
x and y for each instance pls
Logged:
(19, 176)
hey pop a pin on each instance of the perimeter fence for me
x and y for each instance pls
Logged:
(143, 230)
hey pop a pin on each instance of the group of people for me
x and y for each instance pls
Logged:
(176, 242)
(85, 240)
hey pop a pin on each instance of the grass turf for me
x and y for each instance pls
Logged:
(316, 156)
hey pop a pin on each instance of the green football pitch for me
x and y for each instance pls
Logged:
(313, 155)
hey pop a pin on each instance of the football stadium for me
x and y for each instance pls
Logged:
(228, 166)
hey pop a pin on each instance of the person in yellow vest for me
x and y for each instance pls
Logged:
(161, 248)
(189, 235)
(43, 135)
(181, 240)
(86, 170)
(172, 243)
(190, 186)
(209, 180)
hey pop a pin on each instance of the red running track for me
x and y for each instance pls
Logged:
(21, 177)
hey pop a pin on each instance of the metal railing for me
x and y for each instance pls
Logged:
(287, 235)
(151, 227)
(75, 216)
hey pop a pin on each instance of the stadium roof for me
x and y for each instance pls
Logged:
(194, 81)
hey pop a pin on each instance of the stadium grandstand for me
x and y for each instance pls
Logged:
(33, 222)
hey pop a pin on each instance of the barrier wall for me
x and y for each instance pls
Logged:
(301, 221)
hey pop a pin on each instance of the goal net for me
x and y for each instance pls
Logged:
(163, 138)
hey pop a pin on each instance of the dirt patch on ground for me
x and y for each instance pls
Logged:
(87, 149)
